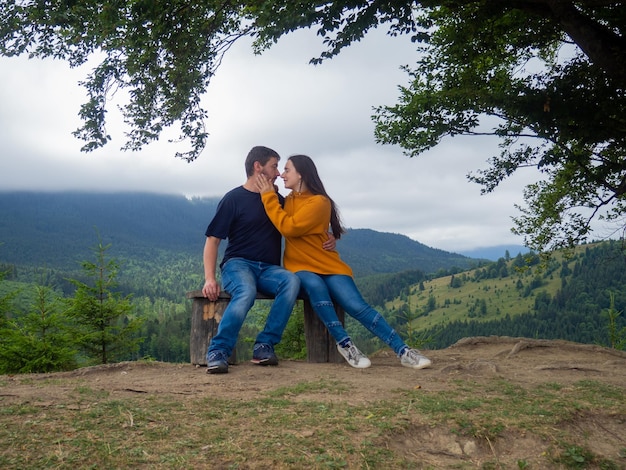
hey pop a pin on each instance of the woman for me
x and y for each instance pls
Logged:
(304, 221)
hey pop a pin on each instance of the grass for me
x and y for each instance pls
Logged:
(307, 425)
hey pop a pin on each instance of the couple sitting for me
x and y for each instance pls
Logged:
(254, 217)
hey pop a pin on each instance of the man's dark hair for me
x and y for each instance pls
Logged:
(259, 154)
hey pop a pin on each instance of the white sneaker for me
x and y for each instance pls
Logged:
(354, 357)
(413, 359)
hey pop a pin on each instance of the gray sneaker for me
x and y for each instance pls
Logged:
(353, 356)
(413, 359)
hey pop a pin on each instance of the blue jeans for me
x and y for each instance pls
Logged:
(242, 279)
(323, 289)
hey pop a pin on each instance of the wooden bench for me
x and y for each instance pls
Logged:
(206, 315)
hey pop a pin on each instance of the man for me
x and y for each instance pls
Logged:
(251, 262)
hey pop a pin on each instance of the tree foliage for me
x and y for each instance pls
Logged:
(549, 74)
(5, 299)
(161, 52)
(40, 340)
(105, 327)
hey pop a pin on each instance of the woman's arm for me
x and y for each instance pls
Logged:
(309, 215)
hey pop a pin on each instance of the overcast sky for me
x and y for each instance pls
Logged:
(280, 101)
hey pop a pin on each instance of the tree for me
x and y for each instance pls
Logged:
(106, 330)
(617, 335)
(455, 282)
(38, 341)
(5, 301)
(550, 76)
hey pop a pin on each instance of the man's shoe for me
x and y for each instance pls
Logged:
(217, 362)
(263, 355)
(413, 359)
(354, 357)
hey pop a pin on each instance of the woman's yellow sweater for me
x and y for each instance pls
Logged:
(304, 223)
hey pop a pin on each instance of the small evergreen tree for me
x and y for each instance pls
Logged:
(617, 335)
(105, 327)
(38, 341)
(406, 326)
(5, 302)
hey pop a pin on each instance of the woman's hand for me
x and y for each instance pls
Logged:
(331, 243)
(264, 185)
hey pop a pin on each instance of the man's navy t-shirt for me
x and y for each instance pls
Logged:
(240, 217)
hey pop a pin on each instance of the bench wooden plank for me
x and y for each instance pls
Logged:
(206, 315)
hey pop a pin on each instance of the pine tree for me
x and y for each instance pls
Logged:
(5, 302)
(38, 341)
(105, 327)
(617, 335)
(35, 338)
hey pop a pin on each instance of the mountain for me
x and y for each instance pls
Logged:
(493, 253)
(59, 229)
(369, 252)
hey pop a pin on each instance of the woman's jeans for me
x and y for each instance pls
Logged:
(323, 289)
(242, 279)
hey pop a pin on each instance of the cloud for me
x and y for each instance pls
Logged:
(279, 100)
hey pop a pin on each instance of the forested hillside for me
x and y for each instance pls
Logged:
(570, 298)
(57, 230)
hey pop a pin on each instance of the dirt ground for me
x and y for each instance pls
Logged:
(523, 362)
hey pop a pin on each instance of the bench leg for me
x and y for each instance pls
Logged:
(320, 345)
(205, 318)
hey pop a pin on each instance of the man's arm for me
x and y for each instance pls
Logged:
(211, 288)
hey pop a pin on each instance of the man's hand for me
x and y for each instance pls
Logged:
(331, 243)
(211, 289)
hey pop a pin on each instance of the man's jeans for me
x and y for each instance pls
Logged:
(241, 279)
(323, 289)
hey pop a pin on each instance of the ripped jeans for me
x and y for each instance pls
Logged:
(323, 289)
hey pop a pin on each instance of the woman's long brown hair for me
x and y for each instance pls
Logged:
(305, 166)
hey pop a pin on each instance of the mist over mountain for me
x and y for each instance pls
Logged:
(59, 229)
